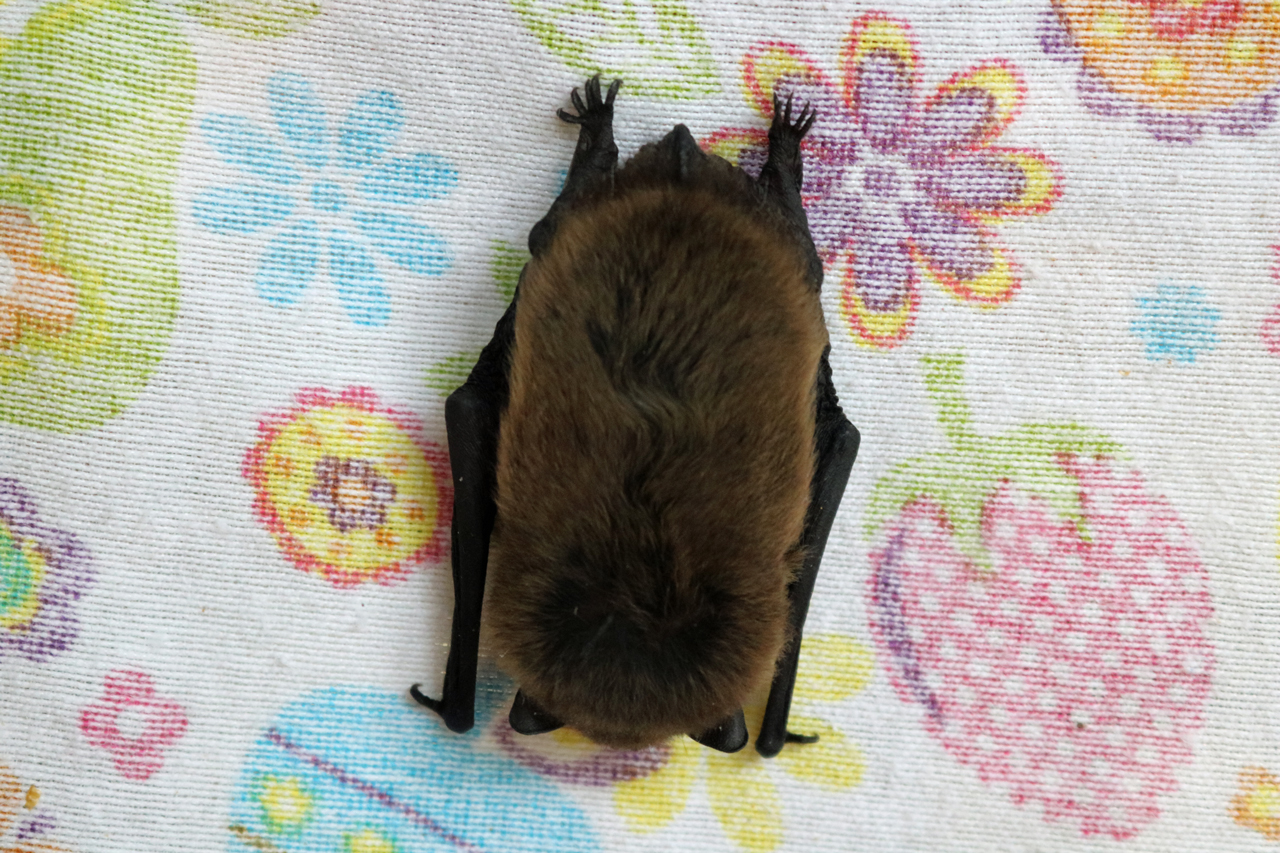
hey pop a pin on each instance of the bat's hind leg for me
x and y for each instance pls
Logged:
(595, 158)
(783, 174)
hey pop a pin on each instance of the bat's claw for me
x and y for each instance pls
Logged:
(792, 737)
(425, 700)
(597, 108)
(782, 119)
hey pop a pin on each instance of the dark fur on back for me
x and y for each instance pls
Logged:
(655, 457)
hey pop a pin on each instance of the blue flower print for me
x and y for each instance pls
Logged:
(330, 201)
(1176, 322)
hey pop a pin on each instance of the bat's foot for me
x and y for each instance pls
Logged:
(529, 719)
(783, 127)
(425, 700)
(596, 113)
(729, 735)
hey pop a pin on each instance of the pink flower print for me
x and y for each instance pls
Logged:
(133, 723)
(894, 186)
(1270, 331)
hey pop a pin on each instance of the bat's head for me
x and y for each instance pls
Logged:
(666, 640)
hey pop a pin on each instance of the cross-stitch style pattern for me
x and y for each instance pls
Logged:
(1178, 66)
(656, 45)
(350, 490)
(1176, 322)
(43, 572)
(321, 778)
(249, 247)
(133, 723)
(1257, 806)
(1048, 613)
(88, 271)
(331, 202)
(654, 785)
(25, 827)
(895, 187)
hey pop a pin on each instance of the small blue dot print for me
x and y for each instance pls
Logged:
(331, 201)
(1176, 323)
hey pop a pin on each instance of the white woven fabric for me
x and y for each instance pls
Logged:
(247, 247)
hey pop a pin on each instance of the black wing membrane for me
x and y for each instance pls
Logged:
(836, 447)
(473, 415)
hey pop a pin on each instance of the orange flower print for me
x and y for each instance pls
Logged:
(350, 490)
(1176, 65)
(34, 294)
(1257, 806)
(896, 185)
(25, 827)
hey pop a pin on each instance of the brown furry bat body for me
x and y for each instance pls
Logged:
(655, 456)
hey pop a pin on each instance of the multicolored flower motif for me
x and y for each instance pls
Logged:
(24, 827)
(43, 572)
(350, 490)
(1176, 65)
(133, 723)
(1176, 322)
(652, 786)
(893, 186)
(35, 295)
(1257, 806)
(362, 770)
(322, 197)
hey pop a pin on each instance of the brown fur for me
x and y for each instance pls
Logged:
(655, 457)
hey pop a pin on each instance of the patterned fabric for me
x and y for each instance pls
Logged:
(247, 247)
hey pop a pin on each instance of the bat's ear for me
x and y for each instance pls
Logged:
(729, 735)
(528, 719)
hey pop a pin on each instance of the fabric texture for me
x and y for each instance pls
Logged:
(247, 247)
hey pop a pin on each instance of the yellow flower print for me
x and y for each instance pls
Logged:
(1257, 806)
(287, 802)
(740, 786)
(350, 490)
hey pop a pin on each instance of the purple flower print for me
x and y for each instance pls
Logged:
(894, 186)
(42, 573)
(353, 492)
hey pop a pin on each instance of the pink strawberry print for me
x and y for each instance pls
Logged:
(1057, 646)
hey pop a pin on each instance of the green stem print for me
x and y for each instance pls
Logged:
(655, 45)
(961, 478)
(95, 96)
(447, 375)
(255, 19)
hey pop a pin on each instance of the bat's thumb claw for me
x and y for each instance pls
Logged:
(425, 700)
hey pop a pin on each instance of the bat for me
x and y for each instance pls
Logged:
(649, 454)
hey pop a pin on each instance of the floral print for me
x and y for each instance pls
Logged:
(1176, 65)
(894, 186)
(24, 826)
(350, 490)
(327, 199)
(1257, 806)
(43, 572)
(34, 294)
(130, 697)
(1176, 322)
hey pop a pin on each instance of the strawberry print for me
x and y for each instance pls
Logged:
(1047, 611)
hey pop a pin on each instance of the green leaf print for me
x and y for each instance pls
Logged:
(255, 19)
(656, 46)
(94, 101)
(973, 466)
